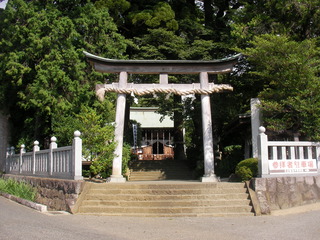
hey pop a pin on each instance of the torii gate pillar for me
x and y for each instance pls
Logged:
(118, 133)
(209, 175)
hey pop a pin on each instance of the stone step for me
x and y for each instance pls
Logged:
(168, 176)
(147, 178)
(170, 173)
(143, 197)
(243, 214)
(148, 172)
(160, 177)
(168, 185)
(168, 191)
(167, 209)
(166, 198)
(161, 170)
(166, 203)
(142, 163)
(158, 170)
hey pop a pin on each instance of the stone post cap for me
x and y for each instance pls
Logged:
(53, 139)
(262, 129)
(77, 133)
(36, 143)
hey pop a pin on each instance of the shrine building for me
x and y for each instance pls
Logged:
(156, 136)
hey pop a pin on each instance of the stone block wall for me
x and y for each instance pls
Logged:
(56, 194)
(285, 192)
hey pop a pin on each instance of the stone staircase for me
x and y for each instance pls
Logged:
(159, 170)
(165, 199)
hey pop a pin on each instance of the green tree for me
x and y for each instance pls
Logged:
(98, 144)
(44, 74)
(290, 73)
(298, 19)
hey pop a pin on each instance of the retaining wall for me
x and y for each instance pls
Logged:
(286, 192)
(56, 194)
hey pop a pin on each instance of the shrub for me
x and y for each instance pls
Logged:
(247, 169)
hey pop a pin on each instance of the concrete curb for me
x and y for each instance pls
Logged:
(37, 206)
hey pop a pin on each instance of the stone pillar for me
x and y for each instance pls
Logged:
(209, 175)
(255, 124)
(36, 148)
(22, 151)
(163, 78)
(263, 165)
(53, 145)
(77, 156)
(119, 128)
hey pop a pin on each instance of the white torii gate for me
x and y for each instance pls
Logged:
(163, 68)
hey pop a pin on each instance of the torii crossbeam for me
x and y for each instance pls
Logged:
(163, 68)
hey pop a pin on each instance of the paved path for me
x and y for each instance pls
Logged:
(19, 222)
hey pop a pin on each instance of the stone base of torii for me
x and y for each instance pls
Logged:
(162, 67)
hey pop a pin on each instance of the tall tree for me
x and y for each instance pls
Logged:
(44, 75)
(290, 73)
(296, 18)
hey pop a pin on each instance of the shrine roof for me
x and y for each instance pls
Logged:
(148, 117)
(108, 65)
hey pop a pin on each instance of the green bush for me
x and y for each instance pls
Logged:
(247, 169)
(19, 189)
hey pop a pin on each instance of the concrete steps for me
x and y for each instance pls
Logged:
(159, 170)
(166, 199)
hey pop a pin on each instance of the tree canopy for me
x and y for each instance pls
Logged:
(44, 76)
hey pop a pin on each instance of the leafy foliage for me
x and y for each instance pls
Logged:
(247, 169)
(43, 69)
(296, 18)
(289, 70)
(19, 189)
(97, 138)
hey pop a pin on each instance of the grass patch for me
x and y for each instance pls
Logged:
(19, 189)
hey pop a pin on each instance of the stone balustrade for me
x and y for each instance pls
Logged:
(62, 163)
(287, 158)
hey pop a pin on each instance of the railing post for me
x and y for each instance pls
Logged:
(76, 161)
(36, 148)
(53, 145)
(22, 151)
(263, 165)
(7, 163)
(318, 157)
(12, 151)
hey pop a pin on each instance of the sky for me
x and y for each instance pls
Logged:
(3, 4)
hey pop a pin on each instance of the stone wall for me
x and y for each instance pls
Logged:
(56, 194)
(285, 192)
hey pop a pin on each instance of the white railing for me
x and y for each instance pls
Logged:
(63, 162)
(278, 158)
